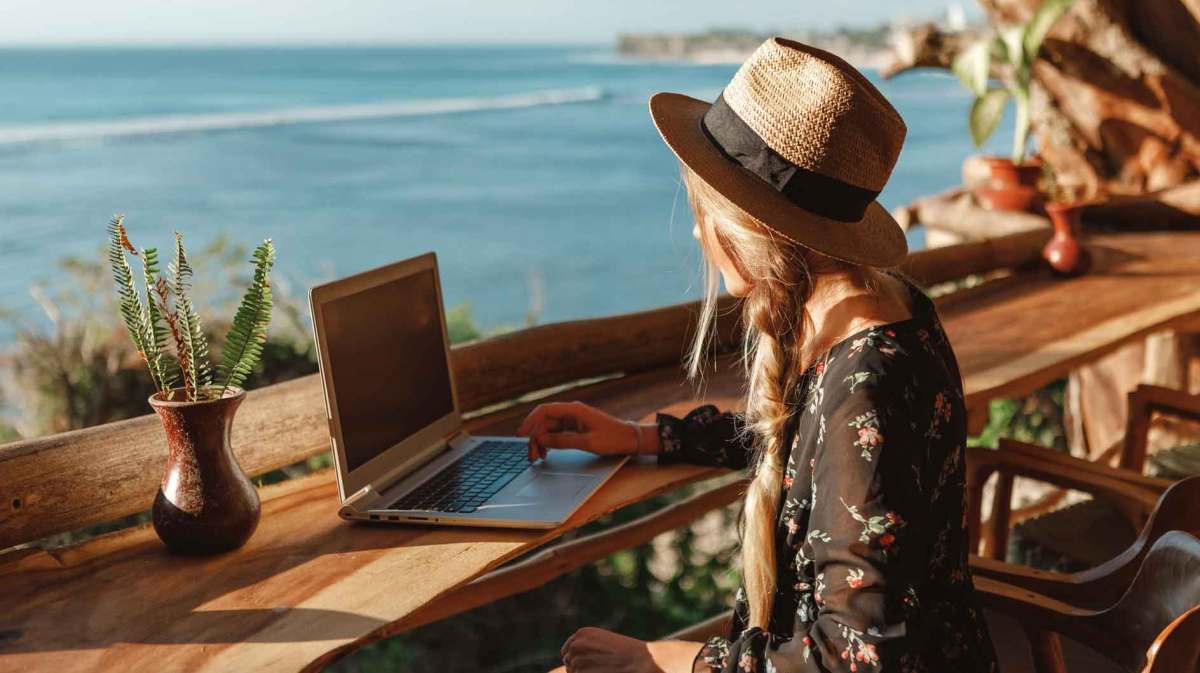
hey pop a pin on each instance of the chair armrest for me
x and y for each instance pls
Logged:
(1079, 590)
(1155, 485)
(1025, 460)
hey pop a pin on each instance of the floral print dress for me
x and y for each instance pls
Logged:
(871, 539)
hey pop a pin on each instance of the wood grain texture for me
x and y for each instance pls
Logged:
(304, 586)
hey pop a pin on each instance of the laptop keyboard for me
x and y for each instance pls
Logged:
(468, 482)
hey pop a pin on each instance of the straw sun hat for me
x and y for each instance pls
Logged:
(802, 143)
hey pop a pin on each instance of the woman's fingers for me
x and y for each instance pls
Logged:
(572, 415)
(562, 440)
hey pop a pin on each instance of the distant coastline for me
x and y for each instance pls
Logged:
(864, 48)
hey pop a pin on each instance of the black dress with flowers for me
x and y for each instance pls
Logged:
(871, 541)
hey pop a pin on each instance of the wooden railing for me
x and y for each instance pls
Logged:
(64, 482)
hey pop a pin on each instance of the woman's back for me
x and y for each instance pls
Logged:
(871, 543)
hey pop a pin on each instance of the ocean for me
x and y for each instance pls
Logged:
(535, 173)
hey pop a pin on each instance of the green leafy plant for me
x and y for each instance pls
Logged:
(163, 309)
(1013, 51)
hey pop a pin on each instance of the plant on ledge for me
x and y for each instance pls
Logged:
(205, 502)
(163, 311)
(1014, 50)
(1009, 55)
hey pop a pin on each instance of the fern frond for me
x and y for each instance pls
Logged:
(194, 357)
(130, 304)
(243, 347)
(163, 290)
(156, 333)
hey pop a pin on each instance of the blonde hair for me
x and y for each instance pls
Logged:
(774, 356)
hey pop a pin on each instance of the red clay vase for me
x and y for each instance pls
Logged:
(205, 504)
(1064, 253)
(1011, 186)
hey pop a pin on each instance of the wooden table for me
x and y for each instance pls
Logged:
(309, 586)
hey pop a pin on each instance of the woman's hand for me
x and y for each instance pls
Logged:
(593, 650)
(575, 425)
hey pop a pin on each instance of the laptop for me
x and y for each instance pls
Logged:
(400, 449)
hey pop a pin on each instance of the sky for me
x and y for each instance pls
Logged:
(140, 22)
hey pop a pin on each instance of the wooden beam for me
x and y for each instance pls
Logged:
(954, 262)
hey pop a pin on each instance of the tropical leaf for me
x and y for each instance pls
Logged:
(1039, 24)
(1010, 39)
(985, 115)
(972, 66)
(192, 343)
(243, 346)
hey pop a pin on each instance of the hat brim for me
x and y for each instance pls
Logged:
(876, 240)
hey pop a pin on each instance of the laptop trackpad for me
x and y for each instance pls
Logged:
(550, 486)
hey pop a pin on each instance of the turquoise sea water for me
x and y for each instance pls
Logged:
(535, 173)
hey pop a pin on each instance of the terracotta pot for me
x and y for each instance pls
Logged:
(205, 503)
(1011, 186)
(1064, 253)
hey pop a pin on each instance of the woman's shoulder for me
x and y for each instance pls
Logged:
(889, 359)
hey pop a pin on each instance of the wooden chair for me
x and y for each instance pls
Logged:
(1152, 628)
(1178, 509)
(1096, 477)
(1132, 493)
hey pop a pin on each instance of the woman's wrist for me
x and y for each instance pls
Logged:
(646, 439)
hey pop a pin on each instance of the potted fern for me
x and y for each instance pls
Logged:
(205, 503)
(1010, 54)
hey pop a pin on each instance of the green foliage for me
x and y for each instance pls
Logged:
(168, 309)
(244, 345)
(461, 325)
(986, 111)
(134, 312)
(1037, 419)
(1013, 50)
(192, 345)
(163, 368)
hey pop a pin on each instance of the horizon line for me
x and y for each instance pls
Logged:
(260, 44)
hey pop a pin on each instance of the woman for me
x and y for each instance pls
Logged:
(854, 548)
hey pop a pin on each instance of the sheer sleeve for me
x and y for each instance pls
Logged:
(705, 436)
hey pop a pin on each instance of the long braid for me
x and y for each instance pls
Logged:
(773, 355)
(776, 324)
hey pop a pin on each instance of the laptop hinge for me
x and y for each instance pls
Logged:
(390, 479)
(364, 494)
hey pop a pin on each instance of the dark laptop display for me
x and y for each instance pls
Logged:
(380, 340)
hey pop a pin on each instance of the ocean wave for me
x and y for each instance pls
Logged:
(194, 123)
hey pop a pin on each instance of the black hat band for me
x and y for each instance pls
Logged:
(807, 189)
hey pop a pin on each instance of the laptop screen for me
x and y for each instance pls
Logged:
(388, 363)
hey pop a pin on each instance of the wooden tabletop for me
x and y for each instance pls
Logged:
(308, 585)
(1027, 331)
